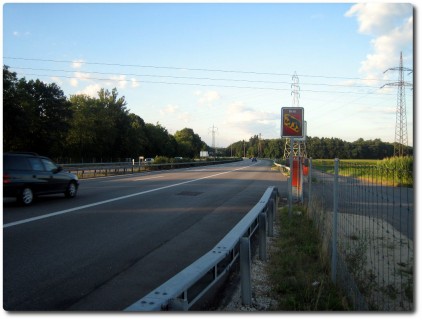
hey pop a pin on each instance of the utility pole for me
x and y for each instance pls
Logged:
(259, 147)
(213, 131)
(400, 137)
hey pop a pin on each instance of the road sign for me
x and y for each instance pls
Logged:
(292, 122)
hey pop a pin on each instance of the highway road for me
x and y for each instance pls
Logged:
(122, 236)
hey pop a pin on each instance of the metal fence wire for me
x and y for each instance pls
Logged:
(365, 215)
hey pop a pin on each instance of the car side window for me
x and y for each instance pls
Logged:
(36, 164)
(49, 165)
(15, 163)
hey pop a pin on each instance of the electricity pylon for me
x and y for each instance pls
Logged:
(400, 137)
(213, 131)
(299, 145)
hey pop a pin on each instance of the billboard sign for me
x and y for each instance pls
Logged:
(304, 132)
(292, 122)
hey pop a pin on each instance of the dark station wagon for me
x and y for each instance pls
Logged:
(27, 175)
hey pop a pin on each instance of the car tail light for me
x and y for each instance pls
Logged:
(6, 178)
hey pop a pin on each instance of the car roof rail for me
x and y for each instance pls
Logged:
(22, 152)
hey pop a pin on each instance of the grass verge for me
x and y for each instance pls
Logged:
(298, 269)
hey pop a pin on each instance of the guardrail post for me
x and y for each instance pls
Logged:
(178, 305)
(245, 271)
(262, 234)
(271, 215)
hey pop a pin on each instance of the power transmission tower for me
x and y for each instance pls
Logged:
(213, 131)
(299, 145)
(400, 138)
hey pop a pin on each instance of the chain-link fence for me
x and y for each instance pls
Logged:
(366, 213)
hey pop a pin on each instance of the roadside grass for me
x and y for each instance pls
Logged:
(299, 271)
(394, 171)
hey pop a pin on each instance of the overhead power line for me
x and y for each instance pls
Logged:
(191, 78)
(188, 69)
(196, 84)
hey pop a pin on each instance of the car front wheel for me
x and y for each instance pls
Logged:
(26, 197)
(71, 190)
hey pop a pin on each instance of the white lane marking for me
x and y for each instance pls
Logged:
(140, 179)
(49, 215)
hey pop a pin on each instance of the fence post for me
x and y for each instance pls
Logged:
(310, 185)
(262, 235)
(334, 228)
(289, 193)
(245, 271)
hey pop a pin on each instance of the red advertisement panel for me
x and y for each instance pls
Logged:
(292, 122)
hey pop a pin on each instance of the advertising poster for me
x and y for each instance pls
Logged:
(292, 123)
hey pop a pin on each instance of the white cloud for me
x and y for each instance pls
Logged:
(74, 82)
(82, 76)
(134, 83)
(169, 109)
(207, 98)
(20, 34)
(174, 112)
(391, 26)
(91, 90)
(186, 117)
(237, 112)
(76, 64)
(245, 122)
(79, 76)
(379, 18)
(120, 81)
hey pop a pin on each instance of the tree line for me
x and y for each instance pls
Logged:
(317, 148)
(38, 117)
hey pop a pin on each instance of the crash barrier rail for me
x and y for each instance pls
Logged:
(85, 170)
(187, 287)
(365, 215)
(282, 166)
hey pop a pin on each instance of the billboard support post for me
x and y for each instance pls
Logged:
(293, 127)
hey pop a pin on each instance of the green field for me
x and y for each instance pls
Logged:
(395, 171)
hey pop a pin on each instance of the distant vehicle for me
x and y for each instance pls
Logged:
(254, 159)
(178, 158)
(27, 175)
(149, 160)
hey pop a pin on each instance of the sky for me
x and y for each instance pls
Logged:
(226, 68)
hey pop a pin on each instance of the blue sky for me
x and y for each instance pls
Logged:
(200, 65)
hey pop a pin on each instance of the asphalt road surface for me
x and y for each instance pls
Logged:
(122, 236)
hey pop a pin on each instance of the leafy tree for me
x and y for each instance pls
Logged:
(36, 116)
(14, 122)
(159, 141)
(189, 143)
(82, 138)
(136, 139)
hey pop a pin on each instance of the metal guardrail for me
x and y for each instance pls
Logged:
(112, 168)
(282, 166)
(183, 290)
